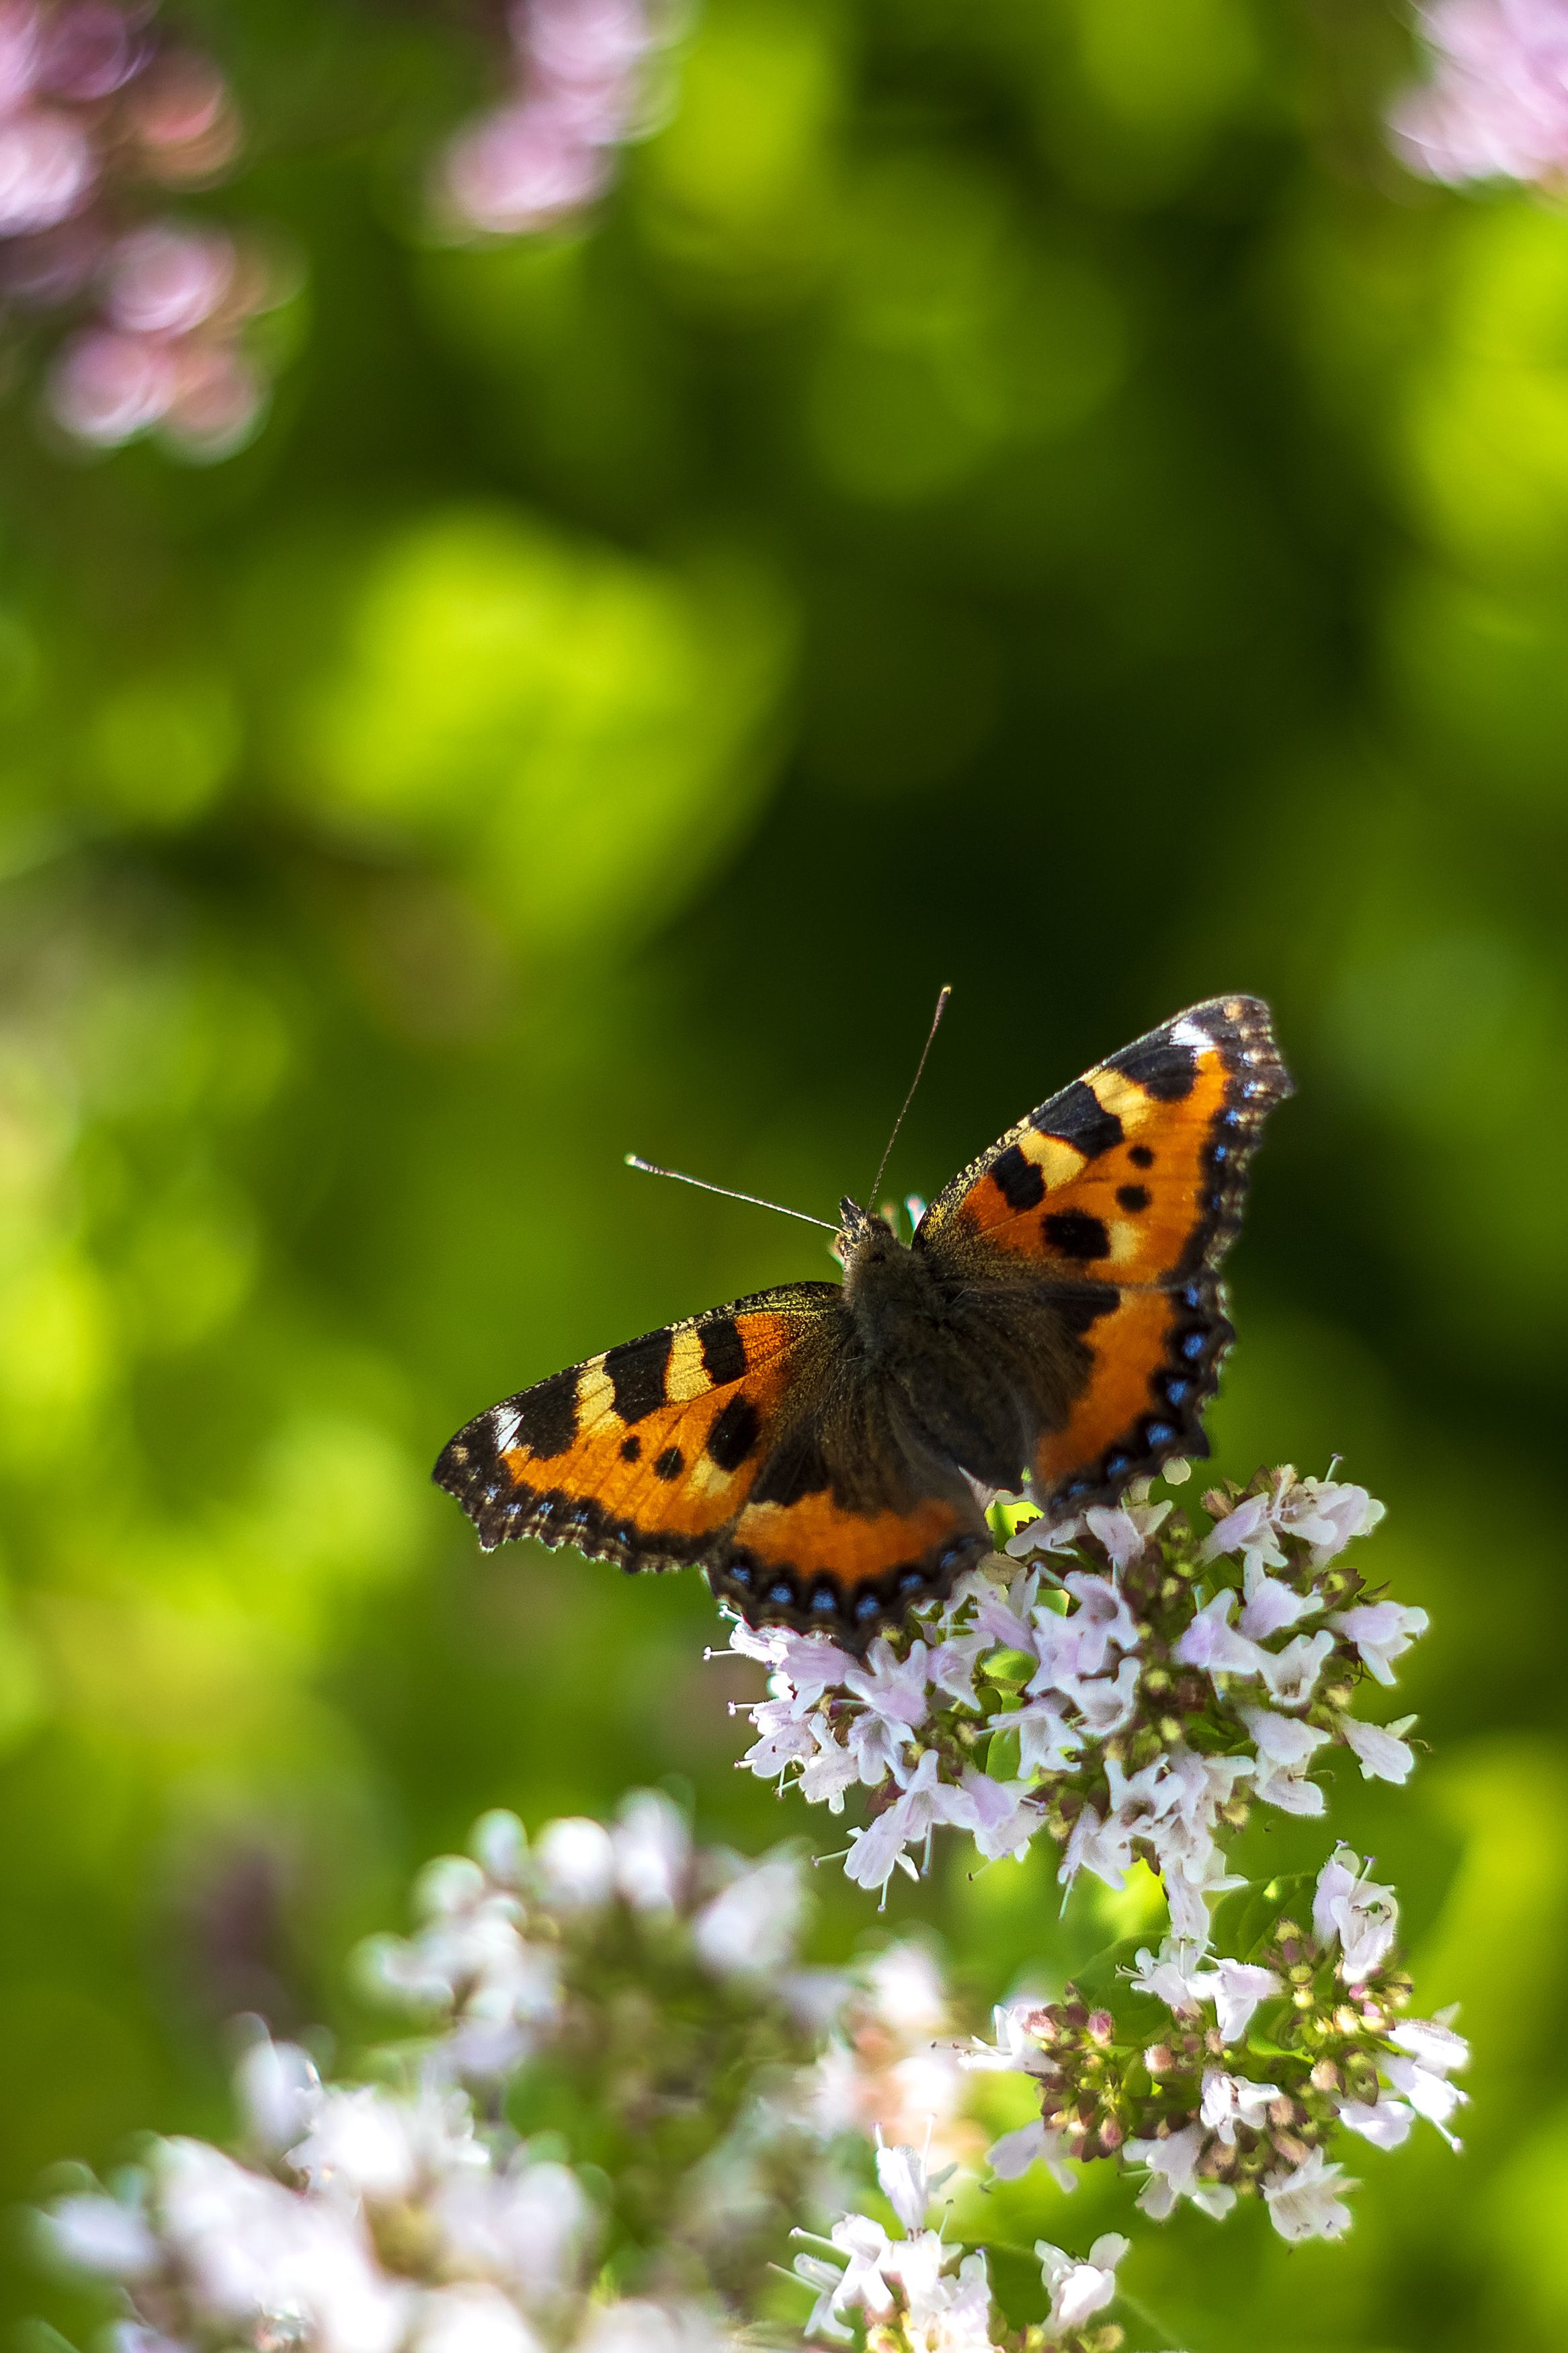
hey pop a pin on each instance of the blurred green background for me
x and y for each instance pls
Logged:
(1019, 492)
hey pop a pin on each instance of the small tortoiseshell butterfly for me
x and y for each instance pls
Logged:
(1056, 1326)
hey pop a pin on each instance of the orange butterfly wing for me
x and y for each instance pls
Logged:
(1122, 1194)
(642, 1454)
(704, 1444)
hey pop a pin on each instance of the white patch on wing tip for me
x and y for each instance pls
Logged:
(504, 1423)
(1189, 1033)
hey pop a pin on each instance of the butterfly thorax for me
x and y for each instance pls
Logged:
(961, 1401)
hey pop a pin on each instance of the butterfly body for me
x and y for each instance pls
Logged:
(1055, 1325)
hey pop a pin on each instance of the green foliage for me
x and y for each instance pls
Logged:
(1017, 494)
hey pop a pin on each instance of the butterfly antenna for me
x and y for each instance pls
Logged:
(914, 1083)
(728, 1192)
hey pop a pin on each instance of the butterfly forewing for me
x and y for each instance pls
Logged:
(644, 1454)
(1121, 1196)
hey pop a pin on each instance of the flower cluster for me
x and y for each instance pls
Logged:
(586, 80)
(1496, 103)
(98, 115)
(1158, 2083)
(920, 2294)
(619, 1976)
(1121, 1682)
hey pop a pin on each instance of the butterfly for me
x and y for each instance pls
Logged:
(824, 1451)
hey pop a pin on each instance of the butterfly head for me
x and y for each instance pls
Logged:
(862, 1233)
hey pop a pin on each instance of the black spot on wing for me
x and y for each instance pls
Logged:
(631, 1448)
(1134, 1199)
(669, 1464)
(547, 1416)
(1080, 1119)
(1159, 1065)
(637, 1372)
(723, 1351)
(1021, 1184)
(1139, 1155)
(1076, 1234)
(735, 1431)
(1081, 1304)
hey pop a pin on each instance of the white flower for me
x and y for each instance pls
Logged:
(276, 2087)
(473, 2318)
(749, 1929)
(1047, 1743)
(1187, 1894)
(1382, 1755)
(824, 1776)
(1176, 1976)
(653, 1852)
(1104, 1701)
(1291, 1675)
(1032, 2144)
(1212, 1642)
(255, 2253)
(576, 1862)
(809, 1663)
(926, 1802)
(1381, 1631)
(634, 2325)
(1079, 2286)
(1248, 1530)
(953, 2315)
(1015, 2051)
(499, 1845)
(1172, 2163)
(870, 2253)
(826, 2279)
(362, 2143)
(1433, 2042)
(1231, 2100)
(527, 2227)
(1005, 1619)
(1002, 1817)
(1305, 2203)
(1383, 2121)
(1327, 1516)
(1101, 1621)
(1285, 1747)
(1359, 1916)
(784, 1738)
(1428, 2051)
(1125, 1530)
(891, 1687)
(1242, 1985)
(1268, 1605)
(102, 2235)
(902, 2178)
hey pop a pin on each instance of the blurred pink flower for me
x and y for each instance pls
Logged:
(581, 73)
(1495, 105)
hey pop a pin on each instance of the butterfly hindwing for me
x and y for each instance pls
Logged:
(644, 1454)
(1119, 1197)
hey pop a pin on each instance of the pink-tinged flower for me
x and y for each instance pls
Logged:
(1172, 2163)
(1270, 1607)
(1231, 2100)
(1079, 2286)
(1427, 2051)
(1047, 1743)
(1283, 1740)
(1291, 1675)
(1035, 2143)
(1381, 1631)
(1306, 2202)
(1495, 105)
(1382, 1755)
(1241, 1987)
(1384, 2122)
(1002, 1815)
(47, 169)
(1101, 1622)
(750, 1928)
(1357, 1914)
(1212, 1643)
(1104, 1703)
(874, 1855)
(1249, 1531)
(1175, 1975)
(1125, 1530)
